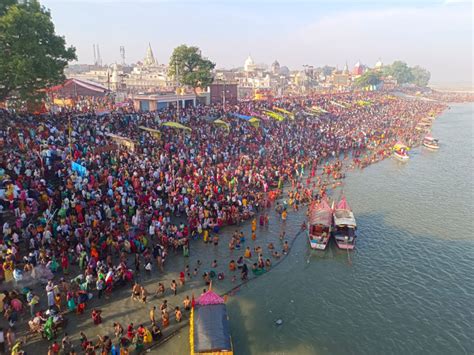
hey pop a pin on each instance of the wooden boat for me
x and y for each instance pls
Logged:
(209, 331)
(430, 142)
(319, 225)
(344, 226)
(400, 152)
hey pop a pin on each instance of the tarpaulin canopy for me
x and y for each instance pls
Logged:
(221, 123)
(274, 115)
(154, 132)
(400, 145)
(343, 215)
(123, 141)
(320, 213)
(288, 113)
(211, 329)
(176, 125)
(242, 117)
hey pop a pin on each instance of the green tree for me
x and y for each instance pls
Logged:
(421, 76)
(192, 68)
(368, 78)
(32, 56)
(401, 71)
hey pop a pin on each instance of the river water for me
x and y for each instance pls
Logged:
(408, 288)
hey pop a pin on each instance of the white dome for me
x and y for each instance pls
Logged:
(249, 64)
(249, 61)
(379, 64)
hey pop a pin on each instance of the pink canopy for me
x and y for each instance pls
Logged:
(321, 213)
(209, 298)
(343, 205)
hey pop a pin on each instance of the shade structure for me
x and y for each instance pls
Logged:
(211, 329)
(222, 124)
(176, 125)
(274, 115)
(288, 113)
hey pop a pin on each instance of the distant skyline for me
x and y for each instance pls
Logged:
(436, 35)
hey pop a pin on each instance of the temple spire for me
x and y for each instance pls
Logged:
(150, 58)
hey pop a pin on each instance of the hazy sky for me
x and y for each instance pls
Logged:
(437, 35)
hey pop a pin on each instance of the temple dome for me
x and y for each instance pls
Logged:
(249, 64)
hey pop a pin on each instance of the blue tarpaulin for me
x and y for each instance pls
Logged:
(242, 117)
(211, 329)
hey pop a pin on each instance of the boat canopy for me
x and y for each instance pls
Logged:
(399, 146)
(344, 218)
(430, 138)
(343, 205)
(211, 329)
(320, 214)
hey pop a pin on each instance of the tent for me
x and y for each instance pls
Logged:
(176, 125)
(209, 331)
(154, 132)
(274, 115)
(288, 113)
(222, 124)
(242, 117)
(123, 141)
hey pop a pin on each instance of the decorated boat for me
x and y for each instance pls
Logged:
(430, 142)
(209, 331)
(344, 226)
(400, 151)
(319, 225)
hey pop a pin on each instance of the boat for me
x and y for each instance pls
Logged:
(430, 142)
(344, 226)
(400, 152)
(209, 331)
(319, 225)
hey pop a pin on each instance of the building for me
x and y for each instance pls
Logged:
(275, 68)
(224, 93)
(73, 88)
(163, 100)
(249, 65)
(144, 76)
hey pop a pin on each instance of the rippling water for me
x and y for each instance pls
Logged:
(408, 288)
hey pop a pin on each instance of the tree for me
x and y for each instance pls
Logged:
(192, 68)
(32, 56)
(421, 76)
(400, 71)
(368, 78)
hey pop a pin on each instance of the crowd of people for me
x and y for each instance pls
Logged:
(82, 212)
